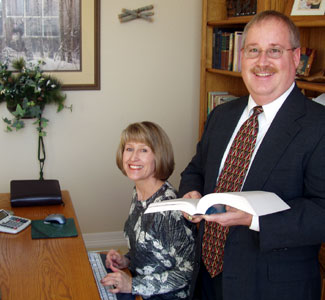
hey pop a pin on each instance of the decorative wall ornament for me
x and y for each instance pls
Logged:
(140, 13)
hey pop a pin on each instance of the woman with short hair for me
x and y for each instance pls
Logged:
(161, 245)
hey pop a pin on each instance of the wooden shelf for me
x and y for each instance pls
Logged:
(300, 21)
(230, 21)
(309, 21)
(214, 14)
(311, 86)
(224, 72)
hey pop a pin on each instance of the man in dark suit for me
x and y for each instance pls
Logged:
(272, 257)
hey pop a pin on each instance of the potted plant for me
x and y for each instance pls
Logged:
(26, 91)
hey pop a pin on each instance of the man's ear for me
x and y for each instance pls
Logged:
(296, 56)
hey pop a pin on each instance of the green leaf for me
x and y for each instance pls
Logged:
(18, 124)
(6, 120)
(60, 107)
(20, 112)
(35, 111)
(44, 123)
(44, 120)
(26, 103)
(38, 75)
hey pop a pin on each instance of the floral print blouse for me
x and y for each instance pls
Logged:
(161, 249)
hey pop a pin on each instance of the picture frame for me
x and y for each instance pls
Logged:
(62, 34)
(307, 7)
(89, 76)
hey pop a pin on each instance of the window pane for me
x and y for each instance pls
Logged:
(15, 26)
(15, 8)
(33, 27)
(33, 7)
(51, 8)
(16, 37)
(51, 27)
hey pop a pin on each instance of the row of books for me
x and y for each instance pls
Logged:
(226, 47)
(217, 98)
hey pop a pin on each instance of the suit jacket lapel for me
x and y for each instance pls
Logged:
(280, 134)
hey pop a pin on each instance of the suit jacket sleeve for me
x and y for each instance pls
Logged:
(301, 172)
(202, 172)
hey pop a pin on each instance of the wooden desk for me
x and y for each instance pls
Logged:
(44, 269)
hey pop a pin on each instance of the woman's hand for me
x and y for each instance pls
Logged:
(116, 259)
(119, 281)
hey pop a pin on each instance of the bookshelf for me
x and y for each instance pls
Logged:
(214, 14)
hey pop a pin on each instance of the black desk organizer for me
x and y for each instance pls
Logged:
(35, 192)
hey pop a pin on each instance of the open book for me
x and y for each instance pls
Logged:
(257, 203)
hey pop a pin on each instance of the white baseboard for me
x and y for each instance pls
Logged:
(104, 240)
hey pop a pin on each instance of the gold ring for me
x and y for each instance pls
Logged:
(190, 217)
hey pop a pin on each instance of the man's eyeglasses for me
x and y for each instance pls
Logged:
(273, 52)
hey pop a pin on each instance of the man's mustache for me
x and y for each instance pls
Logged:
(266, 69)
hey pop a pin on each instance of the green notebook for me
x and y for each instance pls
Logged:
(46, 231)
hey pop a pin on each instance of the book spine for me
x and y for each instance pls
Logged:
(226, 58)
(236, 55)
(214, 47)
(223, 50)
(239, 51)
(231, 51)
(218, 49)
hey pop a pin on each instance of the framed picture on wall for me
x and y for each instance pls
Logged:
(64, 34)
(308, 7)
